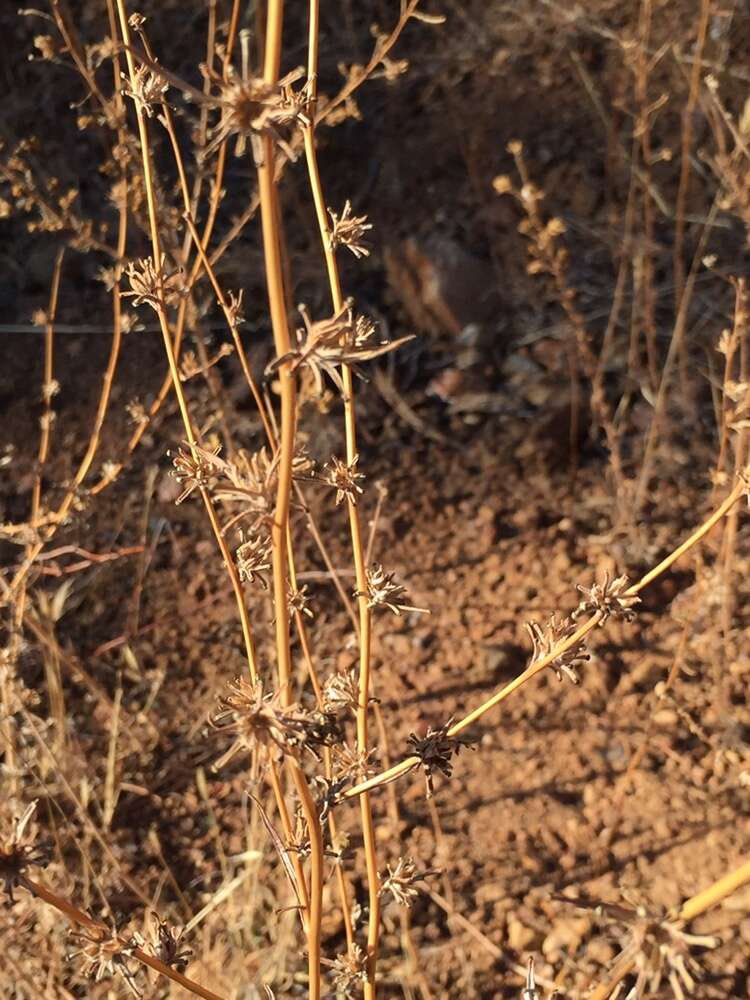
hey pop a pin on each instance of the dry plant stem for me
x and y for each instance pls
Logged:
(646, 255)
(411, 953)
(76, 916)
(164, 324)
(312, 912)
(691, 909)
(270, 216)
(675, 347)
(740, 462)
(379, 53)
(101, 411)
(221, 298)
(166, 385)
(47, 388)
(286, 824)
(368, 826)
(686, 148)
(406, 765)
(19, 608)
(299, 621)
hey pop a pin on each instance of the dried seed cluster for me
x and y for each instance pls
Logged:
(164, 942)
(609, 600)
(324, 345)
(251, 108)
(258, 720)
(347, 230)
(384, 592)
(344, 478)
(660, 948)
(150, 285)
(401, 880)
(104, 953)
(435, 751)
(19, 852)
(349, 971)
(546, 638)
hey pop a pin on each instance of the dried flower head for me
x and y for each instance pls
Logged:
(248, 480)
(340, 339)
(50, 390)
(299, 602)
(19, 852)
(193, 469)
(164, 942)
(659, 947)
(608, 599)
(351, 762)
(341, 692)
(147, 89)
(401, 881)
(349, 971)
(343, 478)
(435, 751)
(104, 953)
(234, 308)
(255, 719)
(136, 411)
(347, 230)
(260, 721)
(150, 285)
(254, 558)
(47, 46)
(327, 793)
(251, 108)
(384, 592)
(546, 638)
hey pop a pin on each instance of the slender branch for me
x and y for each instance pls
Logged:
(76, 916)
(537, 666)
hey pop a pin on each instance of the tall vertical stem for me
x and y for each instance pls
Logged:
(269, 209)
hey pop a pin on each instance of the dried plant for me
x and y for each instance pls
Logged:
(165, 943)
(19, 851)
(660, 948)
(164, 174)
(299, 602)
(341, 692)
(349, 971)
(344, 478)
(251, 108)
(259, 721)
(608, 599)
(546, 638)
(194, 470)
(401, 881)
(342, 339)
(105, 954)
(148, 89)
(355, 764)
(435, 751)
(384, 592)
(347, 230)
(150, 285)
(254, 558)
